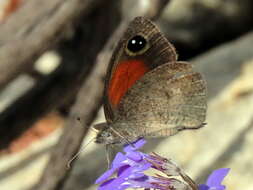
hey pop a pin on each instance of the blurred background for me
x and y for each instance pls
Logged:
(53, 56)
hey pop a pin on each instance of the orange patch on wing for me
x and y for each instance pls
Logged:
(124, 76)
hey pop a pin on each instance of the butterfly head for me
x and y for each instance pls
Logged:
(117, 133)
(107, 136)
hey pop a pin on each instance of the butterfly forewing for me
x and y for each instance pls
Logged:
(127, 67)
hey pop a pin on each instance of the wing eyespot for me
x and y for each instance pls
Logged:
(137, 45)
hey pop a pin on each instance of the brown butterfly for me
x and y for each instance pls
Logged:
(148, 93)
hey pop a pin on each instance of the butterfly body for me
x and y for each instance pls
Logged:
(148, 93)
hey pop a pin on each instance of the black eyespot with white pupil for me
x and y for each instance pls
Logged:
(136, 44)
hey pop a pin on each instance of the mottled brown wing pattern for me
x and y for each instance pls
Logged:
(159, 52)
(169, 96)
(148, 93)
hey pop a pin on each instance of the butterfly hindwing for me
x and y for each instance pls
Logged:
(171, 95)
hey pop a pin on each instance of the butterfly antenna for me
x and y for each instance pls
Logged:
(79, 152)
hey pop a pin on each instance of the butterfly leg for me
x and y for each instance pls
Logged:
(111, 151)
(165, 132)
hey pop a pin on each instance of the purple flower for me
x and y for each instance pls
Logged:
(215, 179)
(130, 167)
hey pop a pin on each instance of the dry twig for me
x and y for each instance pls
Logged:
(32, 29)
(87, 104)
(52, 91)
(69, 143)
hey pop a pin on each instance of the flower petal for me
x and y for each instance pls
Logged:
(216, 177)
(116, 164)
(144, 182)
(122, 170)
(203, 187)
(135, 145)
(135, 156)
(106, 184)
(136, 176)
(114, 183)
(105, 176)
(118, 160)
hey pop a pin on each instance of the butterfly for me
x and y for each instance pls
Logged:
(148, 93)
